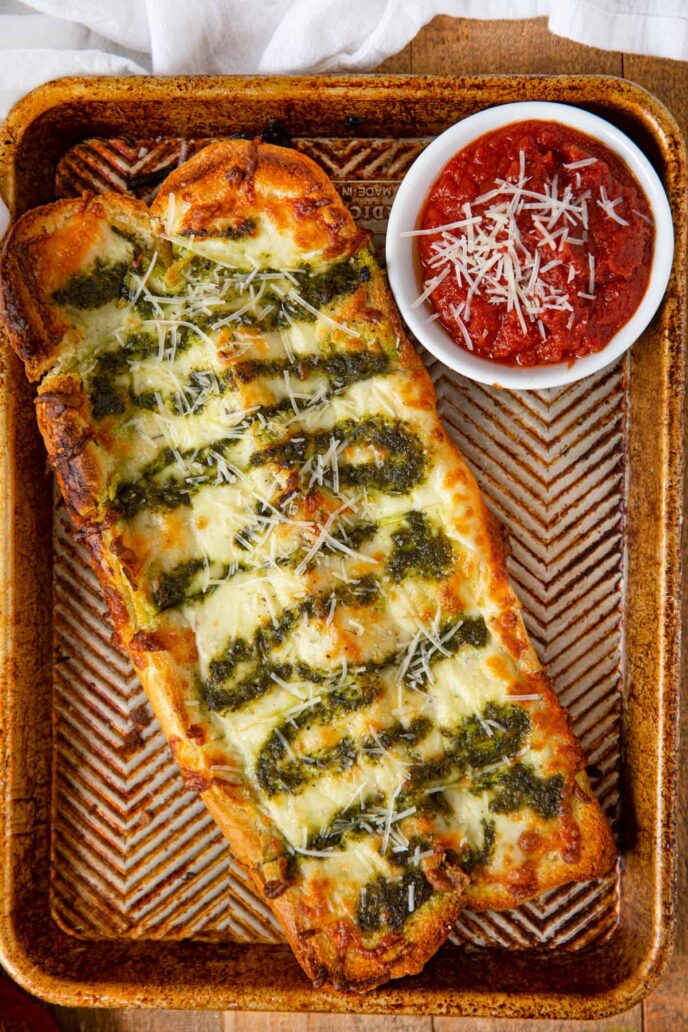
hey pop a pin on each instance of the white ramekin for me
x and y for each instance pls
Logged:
(404, 269)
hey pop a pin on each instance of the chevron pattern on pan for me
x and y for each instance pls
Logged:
(345, 159)
(121, 165)
(139, 167)
(551, 465)
(134, 854)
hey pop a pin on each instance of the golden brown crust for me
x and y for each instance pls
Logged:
(588, 852)
(222, 189)
(64, 420)
(230, 185)
(41, 251)
(335, 955)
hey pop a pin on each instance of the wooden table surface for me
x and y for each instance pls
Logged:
(457, 46)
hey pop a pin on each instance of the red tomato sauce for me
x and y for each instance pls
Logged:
(548, 262)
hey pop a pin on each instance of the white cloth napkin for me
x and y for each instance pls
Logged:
(41, 39)
(45, 39)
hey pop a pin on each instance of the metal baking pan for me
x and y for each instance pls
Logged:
(117, 888)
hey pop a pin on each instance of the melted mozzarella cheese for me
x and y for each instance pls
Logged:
(231, 519)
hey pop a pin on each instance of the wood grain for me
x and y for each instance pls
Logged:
(80, 1019)
(457, 46)
(631, 1021)
(323, 1023)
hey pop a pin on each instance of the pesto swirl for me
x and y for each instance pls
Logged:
(174, 476)
(250, 659)
(396, 471)
(102, 283)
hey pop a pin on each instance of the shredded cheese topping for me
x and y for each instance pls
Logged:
(490, 254)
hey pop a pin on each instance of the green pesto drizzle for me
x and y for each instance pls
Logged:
(400, 468)
(472, 632)
(472, 741)
(177, 593)
(259, 680)
(194, 394)
(470, 858)
(469, 631)
(386, 904)
(347, 823)
(519, 787)
(423, 775)
(177, 586)
(513, 787)
(342, 368)
(172, 587)
(147, 492)
(191, 398)
(105, 400)
(245, 538)
(466, 742)
(277, 771)
(397, 734)
(107, 396)
(356, 535)
(93, 289)
(239, 231)
(401, 472)
(472, 747)
(419, 550)
(320, 289)
(317, 289)
(221, 695)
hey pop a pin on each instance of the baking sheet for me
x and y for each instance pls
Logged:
(134, 852)
(130, 896)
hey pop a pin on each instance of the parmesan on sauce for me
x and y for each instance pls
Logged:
(536, 244)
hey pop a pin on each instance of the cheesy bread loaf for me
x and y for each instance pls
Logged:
(297, 558)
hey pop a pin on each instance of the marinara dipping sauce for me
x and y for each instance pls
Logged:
(536, 244)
